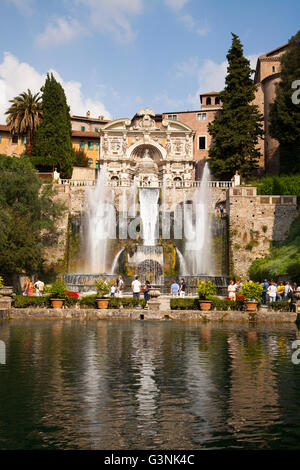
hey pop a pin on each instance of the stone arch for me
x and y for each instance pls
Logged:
(156, 149)
(150, 270)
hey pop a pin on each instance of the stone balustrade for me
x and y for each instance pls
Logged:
(168, 185)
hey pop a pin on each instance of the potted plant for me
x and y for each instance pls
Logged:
(102, 287)
(58, 293)
(205, 289)
(252, 291)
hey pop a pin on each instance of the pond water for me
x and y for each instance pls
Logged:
(148, 385)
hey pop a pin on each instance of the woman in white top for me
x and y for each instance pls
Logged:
(231, 290)
(272, 292)
(120, 286)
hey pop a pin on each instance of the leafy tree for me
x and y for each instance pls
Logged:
(80, 158)
(236, 131)
(53, 140)
(285, 111)
(24, 116)
(27, 217)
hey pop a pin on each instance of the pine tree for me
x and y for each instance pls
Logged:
(53, 140)
(285, 111)
(236, 131)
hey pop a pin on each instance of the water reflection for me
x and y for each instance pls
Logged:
(148, 385)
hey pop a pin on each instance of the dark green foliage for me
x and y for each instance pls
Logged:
(184, 304)
(284, 113)
(236, 131)
(279, 305)
(88, 301)
(21, 301)
(58, 290)
(217, 304)
(284, 259)
(53, 139)
(27, 218)
(279, 185)
(80, 158)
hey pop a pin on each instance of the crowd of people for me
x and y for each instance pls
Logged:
(271, 291)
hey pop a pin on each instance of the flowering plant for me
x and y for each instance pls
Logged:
(72, 294)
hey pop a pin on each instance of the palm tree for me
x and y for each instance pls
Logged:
(24, 116)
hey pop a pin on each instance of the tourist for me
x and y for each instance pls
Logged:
(26, 288)
(39, 288)
(112, 288)
(280, 291)
(182, 288)
(120, 286)
(221, 208)
(265, 286)
(136, 287)
(272, 292)
(287, 291)
(238, 286)
(231, 291)
(146, 289)
(30, 289)
(174, 289)
(293, 298)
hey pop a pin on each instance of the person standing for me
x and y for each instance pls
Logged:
(136, 287)
(174, 289)
(287, 291)
(265, 286)
(39, 287)
(231, 290)
(120, 286)
(30, 289)
(146, 289)
(26, 288)
(112, 288)
(272, 291)
(182, 288)
(280, 291)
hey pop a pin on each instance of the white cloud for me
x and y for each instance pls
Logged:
(193, 26)
(188, 67)
(59, 32)
(176, 4)
(112, 17)
(25, 7)
(16, 77)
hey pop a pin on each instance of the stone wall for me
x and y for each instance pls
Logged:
(255, 221)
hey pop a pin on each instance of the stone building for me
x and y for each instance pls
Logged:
(149, 148)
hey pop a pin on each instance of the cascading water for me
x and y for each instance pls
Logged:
(101, 225)
(197, 230)
(149, 214)
(116, 261)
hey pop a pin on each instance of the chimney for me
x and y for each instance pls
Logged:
(101, 118)
(88, 114)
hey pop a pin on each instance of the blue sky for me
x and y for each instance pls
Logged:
(115, 56)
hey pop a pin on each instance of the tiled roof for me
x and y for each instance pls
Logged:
(3, 127)
(85, 134)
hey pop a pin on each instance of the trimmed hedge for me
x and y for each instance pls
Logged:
(89, 301)
(279, 305)
(24, 301)
(217, 304)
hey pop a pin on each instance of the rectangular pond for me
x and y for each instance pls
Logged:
(148, 385)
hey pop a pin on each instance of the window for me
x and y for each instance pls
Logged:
(90, 145)
(91, 163)
(96, 129)
(0, 138)
(14, 139)
(24, 140)
(173, 117)
(273, 69)
(208, 100)
(217, 100)
(82, 128)
(201, 116)
(202, 143)
(97, 145)
(82, 145)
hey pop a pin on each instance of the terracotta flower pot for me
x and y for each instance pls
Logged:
(102, 303)
(251, 306)
(57, 303)
(205, 304)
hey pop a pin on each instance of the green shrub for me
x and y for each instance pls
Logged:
(102, 287)
(58, 290)
(24, 301)
(70, 301)
(1, 282)
(251, 290)
(279, 305)
(184, 304)
(205, 289)
(88, 301)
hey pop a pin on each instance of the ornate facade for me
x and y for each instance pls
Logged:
(148, 149)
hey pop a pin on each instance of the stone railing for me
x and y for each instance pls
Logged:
(168, 185)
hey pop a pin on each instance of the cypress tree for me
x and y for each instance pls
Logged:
(285, 111)
(53, 140)
(236, 131)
